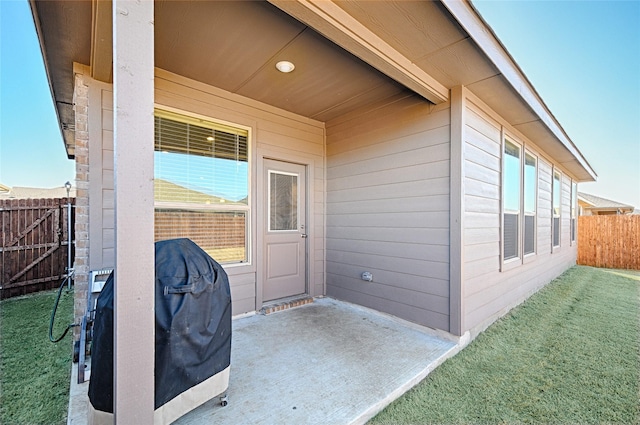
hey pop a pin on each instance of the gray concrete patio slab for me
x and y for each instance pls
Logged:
(328, 362)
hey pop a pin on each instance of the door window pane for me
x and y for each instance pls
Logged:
(283, 201)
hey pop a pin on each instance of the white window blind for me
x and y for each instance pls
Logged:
(201, 184)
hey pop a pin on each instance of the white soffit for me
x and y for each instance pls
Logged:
(460, 64)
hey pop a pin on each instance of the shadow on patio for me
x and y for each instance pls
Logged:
(328, 362)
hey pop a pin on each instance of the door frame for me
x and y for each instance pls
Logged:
(308, 163)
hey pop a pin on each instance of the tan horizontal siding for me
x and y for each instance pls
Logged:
(434, 141)
(388, 209)
(488, 291)
(411, 251)
(389, 205)
(392, 234)
(393, 279)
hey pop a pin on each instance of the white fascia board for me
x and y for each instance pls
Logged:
(469, 18)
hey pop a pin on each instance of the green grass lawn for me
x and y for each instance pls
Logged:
(568, 355)
(34, 373)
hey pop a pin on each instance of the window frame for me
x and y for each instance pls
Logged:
(527, 257)
(555, 172)
(246, 209)
(573, 221)
(507, 264)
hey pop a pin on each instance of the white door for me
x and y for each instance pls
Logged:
(285, 230)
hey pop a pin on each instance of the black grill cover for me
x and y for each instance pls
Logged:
(193, 325)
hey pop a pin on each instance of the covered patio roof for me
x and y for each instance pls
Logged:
(347, 54)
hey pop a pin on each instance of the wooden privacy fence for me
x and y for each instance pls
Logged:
(611, 241)
(33, 253)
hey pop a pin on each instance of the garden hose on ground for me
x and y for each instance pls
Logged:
(53, 314)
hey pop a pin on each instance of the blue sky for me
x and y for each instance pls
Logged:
(31, 148)
(583, 58)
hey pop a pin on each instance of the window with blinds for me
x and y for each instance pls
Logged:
(201, 184)
(530, 185)
(511, 182)
(556, 208)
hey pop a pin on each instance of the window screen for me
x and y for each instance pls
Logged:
(556, 208)
(510, 236)
(556, 231)
(529, 234)
(201, 184)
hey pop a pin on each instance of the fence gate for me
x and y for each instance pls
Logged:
(33, 255)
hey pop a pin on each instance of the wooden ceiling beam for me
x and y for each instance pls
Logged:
(346, 31)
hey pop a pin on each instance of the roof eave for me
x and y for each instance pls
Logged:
(478, 29)
(67, 139)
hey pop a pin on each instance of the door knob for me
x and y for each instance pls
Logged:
(303, 235)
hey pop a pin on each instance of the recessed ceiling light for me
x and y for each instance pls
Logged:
(210, 138)
(285, 66)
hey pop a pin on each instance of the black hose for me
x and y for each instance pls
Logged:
(53, 315)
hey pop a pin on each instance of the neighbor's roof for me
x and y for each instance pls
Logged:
(596, 202)
(166, 191)
(18, 192)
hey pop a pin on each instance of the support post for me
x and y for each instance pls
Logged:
(134, 316)
(456, 224)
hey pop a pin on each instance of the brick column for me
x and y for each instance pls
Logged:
(81, 262)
